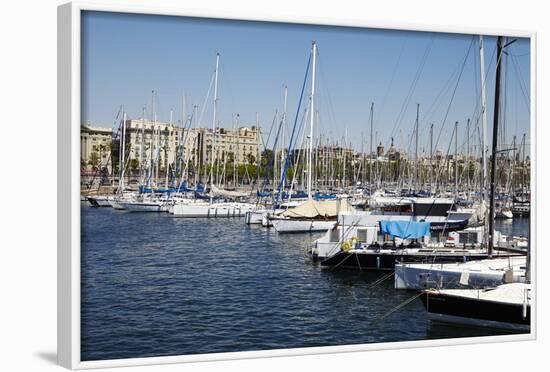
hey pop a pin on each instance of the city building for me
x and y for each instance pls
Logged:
(151, 142)
(95, 148)
(162, 143)
(242, 145)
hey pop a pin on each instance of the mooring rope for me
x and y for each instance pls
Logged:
(401, 305)
(380, 280)
(341, 262)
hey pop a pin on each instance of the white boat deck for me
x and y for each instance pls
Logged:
(477, 273)
(513, 293)
(494, 264)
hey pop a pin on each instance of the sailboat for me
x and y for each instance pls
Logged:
(142, 202)
(504, 306)
(311, 215)
(360, 241)
(201, 208)
(507, 306)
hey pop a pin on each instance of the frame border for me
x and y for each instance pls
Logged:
(68, 178)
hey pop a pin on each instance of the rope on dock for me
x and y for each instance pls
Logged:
(380, 280)
(341, 262)
(401, 305)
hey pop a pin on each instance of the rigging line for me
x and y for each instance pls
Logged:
(384, 101)
(401, 305)
(412, 88)
(296, 163)
(504, 100)
(476, 114)
(380, 280)
(266, 143)
(444, 165)
(199, 122)
(519, 55)
(521, 82)
(290, 143)
(323, 79)
(332, 268)
(442, 93)
(429, 114)
(269, 166)
(454, 92)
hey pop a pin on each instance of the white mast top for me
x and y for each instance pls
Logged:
(214, 122)
(123, 151)
(284, 124)
(312, 111)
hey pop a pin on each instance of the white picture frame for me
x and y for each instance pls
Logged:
(68, 260)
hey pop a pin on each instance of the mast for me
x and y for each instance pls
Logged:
(214, 123)
(456, 159)
(167, 146)
(468, 155)
(494, 149)
(140, 158)
(181, 146)
(284, 122)
(234, 156)
(431, 155)
(153, 135)
(259, 158)
(312, 118)
(371, 132)
(523, 164)
(123, 151)
(120, 148)
(344, 151)
(237, 117)
(483, 119)
(416, 148)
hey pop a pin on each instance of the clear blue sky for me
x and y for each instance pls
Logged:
(125, 57)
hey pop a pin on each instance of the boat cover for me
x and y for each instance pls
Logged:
(314, 208)
(149, 190)
(405, 229)
(221, 192)
(319, 196)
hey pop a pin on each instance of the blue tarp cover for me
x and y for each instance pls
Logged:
(319, 196)
(405, 229)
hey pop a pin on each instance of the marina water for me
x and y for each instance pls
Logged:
(154, 285)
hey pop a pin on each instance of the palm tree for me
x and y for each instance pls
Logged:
(94, 160)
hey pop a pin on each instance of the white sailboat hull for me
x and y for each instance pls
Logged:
(99, 201)
(216, 210)
(254, 217)
(116, 205)
(293, 225)
(141, 206)
(504, 213)
(260, 216)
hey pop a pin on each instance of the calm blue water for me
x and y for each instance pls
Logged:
(154, 285)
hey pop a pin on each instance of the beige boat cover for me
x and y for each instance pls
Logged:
(221, 192)
(324, 208)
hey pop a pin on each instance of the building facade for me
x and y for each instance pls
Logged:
(149, 142)
(95, 148)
